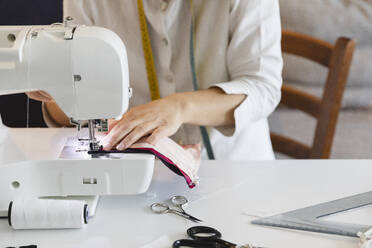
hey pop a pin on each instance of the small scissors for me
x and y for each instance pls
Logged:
(177, 201)
(206, 237)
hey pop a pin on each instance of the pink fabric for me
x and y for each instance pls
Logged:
(187, 161)
(182, 161)
(168, 162)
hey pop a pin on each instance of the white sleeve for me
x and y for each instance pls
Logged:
(80, 10)
(254, 60)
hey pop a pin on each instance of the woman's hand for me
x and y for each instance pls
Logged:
(158, 119)
(163, 117)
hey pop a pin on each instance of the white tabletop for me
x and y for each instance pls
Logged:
(230, 194)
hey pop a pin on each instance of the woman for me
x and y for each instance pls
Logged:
(234, 47)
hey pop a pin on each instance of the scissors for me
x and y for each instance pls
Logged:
(177, 201)
(206, 237)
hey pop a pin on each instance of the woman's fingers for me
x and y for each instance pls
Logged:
(111, 124)
(158, 134)
(117, 134)
(159, 118)
(136, 134)
(121, 129)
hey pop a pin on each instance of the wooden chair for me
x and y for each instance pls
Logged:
(338, 59)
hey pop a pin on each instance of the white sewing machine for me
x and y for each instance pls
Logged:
(85, 69)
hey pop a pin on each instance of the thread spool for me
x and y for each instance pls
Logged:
(47, 214)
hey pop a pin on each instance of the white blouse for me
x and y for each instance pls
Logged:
(237, 48)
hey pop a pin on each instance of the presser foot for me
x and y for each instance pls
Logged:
(91, 142)
(94, 146)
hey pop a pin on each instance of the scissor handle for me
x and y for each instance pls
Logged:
(203, 232)
(195, 243)
(160, 208)
(208, 234)
(179, 200)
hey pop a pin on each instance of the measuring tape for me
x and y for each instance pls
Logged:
(151, 70)
(147, 50)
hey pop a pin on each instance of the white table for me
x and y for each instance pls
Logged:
(228, 195)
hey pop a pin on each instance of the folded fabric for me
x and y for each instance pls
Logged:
(176, 158)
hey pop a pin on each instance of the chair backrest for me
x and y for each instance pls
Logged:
(338, 59)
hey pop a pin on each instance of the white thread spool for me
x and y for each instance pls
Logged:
(47, 214)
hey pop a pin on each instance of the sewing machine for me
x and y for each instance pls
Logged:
(85, 69)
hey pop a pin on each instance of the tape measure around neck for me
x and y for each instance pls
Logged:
(147, 51)
(151, 70)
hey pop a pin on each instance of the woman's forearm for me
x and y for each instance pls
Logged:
(211, 107)
(163, 117)
(56, 114)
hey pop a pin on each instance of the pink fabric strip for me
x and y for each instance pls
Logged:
(170, 162)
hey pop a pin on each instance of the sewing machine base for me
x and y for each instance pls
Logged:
(124, 175)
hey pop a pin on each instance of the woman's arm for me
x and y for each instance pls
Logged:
(163, 117)
(211, 107)
(51, 111)
(160, 118)
(56, 115)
